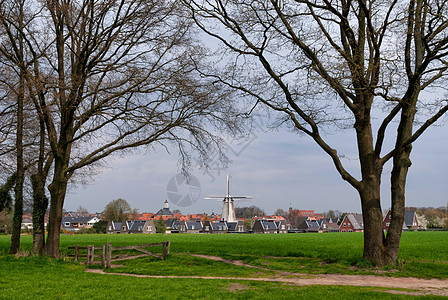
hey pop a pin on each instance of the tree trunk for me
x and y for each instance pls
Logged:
(57, 189)
(17, 218)
(40, 204)
(40, 200)
(373, 222)
(18, 204)
(370, 188)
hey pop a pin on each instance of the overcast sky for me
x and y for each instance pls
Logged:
(278, 169)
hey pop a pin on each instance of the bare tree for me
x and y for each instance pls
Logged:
(280, 212)
(364, 66)
(108, 76)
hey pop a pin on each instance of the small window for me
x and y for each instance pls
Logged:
(387, 224)
(67, 224)
(207, 228)
(342, 230)
(123, 228)
(149, 228)
(345, 224)
(283, 227)
(110, 227)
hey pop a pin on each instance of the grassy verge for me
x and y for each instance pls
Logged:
(43, 278)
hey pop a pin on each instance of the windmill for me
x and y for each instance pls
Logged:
(228, 209)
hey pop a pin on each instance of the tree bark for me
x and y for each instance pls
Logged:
(57, 189)
(40, 200)
(18, 190)
(40, 204)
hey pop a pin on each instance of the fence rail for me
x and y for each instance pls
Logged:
(106, 252)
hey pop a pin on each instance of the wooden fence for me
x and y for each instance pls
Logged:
(89, 253)
(106, 252)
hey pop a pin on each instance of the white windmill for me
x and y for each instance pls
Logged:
(228, 209)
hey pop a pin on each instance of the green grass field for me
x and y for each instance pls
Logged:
(422, 254)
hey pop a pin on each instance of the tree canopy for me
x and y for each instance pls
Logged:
(102, 78)
(376, 69)
(117, 210)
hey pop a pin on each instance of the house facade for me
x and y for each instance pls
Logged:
(352, 223)
(270, 226)
(236, 227)
(76, 223)
(214, 227)
(308, 225)
(329, 225)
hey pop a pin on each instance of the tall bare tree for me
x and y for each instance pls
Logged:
(361, 65)
(108, 76)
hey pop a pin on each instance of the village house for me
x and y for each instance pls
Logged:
(309, 225)
(131, 227)
(329, 225)
(149, 227)
(410, 221)
(214, 227)
(236, 227)
(352, 223)
(188, 226)
(270, 226)
(27, 223)
(76, 223)
(113, 227)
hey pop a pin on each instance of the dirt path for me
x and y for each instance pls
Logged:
(416, 286)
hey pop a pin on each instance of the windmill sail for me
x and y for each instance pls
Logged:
(228, 209)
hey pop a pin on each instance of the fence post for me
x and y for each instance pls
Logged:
(90, 253)
(76, 253)
(103, 255)
(109, 255)
(166, 249)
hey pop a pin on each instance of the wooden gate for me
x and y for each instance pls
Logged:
(109, 249)
(106, 252)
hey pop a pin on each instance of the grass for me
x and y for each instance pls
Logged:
(185, 265)
(43, 278)
(422, 254)
(336, 247)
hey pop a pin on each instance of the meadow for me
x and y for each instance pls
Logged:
(422, 254)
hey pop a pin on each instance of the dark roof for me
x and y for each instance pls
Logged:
(328, 221)
(232, 226)
(409, 218)
(175, 224)
(313, 224)
(218, 226)
(197, 225)
(136, 225)
(269, 225)
(164, 212)
(169, 222)
(116, 225)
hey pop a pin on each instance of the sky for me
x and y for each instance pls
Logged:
(278, 169)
